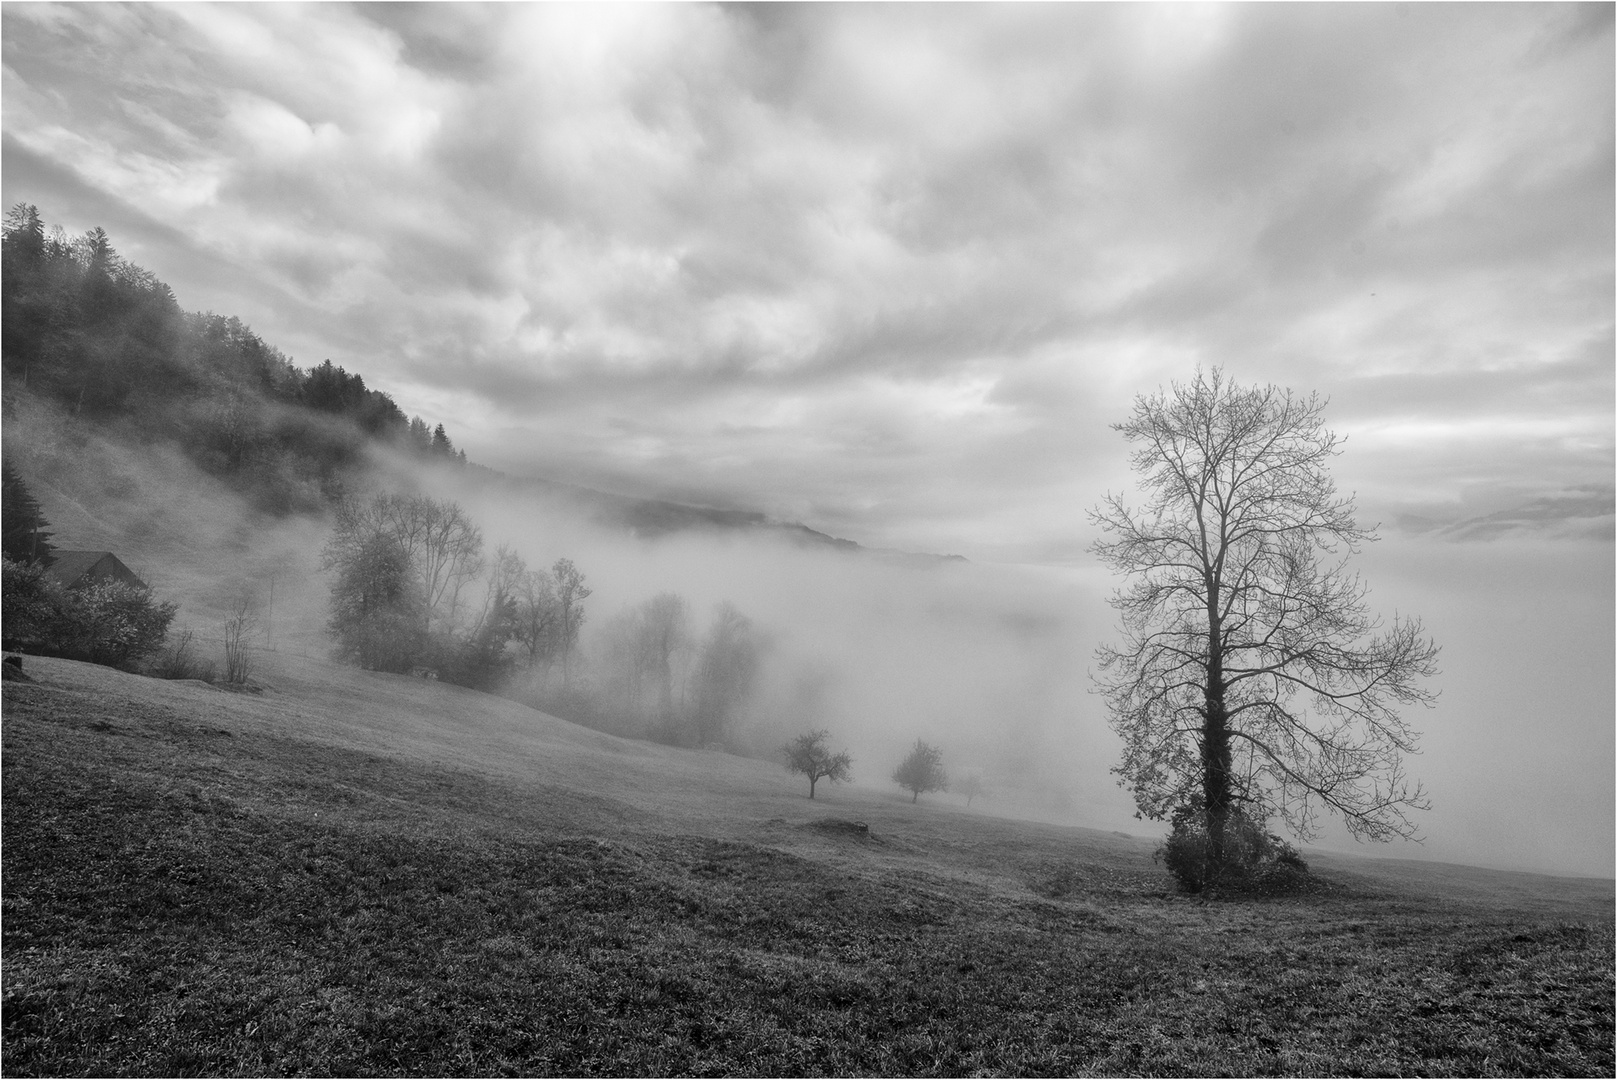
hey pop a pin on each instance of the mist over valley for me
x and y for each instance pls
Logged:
(808, 540)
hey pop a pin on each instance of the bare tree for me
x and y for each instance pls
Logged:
(440, 544)
(725, 673)
(1250, 678)
(810, 755)
(502, 587)
(240, 626)
(971, 786)
(537, 617)
(665, 632)
(571, 592)
(444, 547)
(922, 771)
(642, 653)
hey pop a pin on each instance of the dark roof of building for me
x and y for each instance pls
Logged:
(76, 567)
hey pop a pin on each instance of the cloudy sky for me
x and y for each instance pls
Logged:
(892, 270)
(889, 270)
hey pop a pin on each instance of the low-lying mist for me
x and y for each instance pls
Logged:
(989, 663)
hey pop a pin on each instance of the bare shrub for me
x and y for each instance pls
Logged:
(179, 659)
(239, 629)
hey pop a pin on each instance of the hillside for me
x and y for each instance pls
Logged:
(362, 873)
(98, 347)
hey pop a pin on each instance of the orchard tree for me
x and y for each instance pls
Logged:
(1251, 681)
(811, 755)
(971, 786)
(922, 771)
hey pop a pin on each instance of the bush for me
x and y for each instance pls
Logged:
(1255, 860)
(107, 622)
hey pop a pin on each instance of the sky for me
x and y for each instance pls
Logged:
(893, 270)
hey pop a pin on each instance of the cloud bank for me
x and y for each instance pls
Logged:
(887, 270)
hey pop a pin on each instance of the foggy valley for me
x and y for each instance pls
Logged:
(854, 540)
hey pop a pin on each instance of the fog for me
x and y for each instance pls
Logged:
(989, 662)
(992, 662)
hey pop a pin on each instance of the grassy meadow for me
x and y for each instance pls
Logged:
(360, 874)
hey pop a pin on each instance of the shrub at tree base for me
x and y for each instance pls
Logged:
(1255, 860)
(105, 623)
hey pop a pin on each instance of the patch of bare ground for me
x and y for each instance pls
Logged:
(358, 874)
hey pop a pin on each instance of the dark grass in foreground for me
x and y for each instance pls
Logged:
(186, 900)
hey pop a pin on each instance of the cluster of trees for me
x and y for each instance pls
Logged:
(105, 340)
(660, 679)
(102, 622)
(413, 589)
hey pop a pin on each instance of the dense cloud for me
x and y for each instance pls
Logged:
(812, 259)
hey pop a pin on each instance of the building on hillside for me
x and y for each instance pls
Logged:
(75, 568)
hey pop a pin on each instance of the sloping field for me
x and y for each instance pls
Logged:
(361, 874)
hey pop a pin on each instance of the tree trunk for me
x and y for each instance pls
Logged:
(812, 781)
(1215, 758)
(915, 796)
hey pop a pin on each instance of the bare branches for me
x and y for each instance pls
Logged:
(1243, 635)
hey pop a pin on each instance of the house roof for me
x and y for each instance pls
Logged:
(76, 567)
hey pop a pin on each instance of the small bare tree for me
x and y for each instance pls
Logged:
(811, 755)
(1250, 679)
(239, 628)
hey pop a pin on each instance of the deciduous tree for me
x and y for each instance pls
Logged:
(571, 592)
(811, 755)
(376, 607)
(726, 672)
(922, 771)
(1251, 676)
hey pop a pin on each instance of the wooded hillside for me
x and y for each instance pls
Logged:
(106, 341)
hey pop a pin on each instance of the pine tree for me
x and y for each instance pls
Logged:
(26, 540)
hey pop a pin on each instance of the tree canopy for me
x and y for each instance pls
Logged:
(922, 771)
(811, 755)
(1250, 675)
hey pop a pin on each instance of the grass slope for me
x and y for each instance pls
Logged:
(363, 874)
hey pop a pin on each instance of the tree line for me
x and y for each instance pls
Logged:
(414, 590)
(104, 340)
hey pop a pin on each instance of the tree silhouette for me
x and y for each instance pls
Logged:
(811, 755)
(1250, 676)
(26, 540)
(922, 771)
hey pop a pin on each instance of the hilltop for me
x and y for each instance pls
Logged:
(354, 872)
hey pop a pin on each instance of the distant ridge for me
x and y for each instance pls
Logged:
(653, 518)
